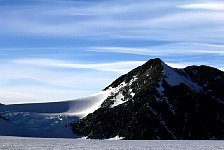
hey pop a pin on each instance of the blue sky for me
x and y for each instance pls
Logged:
(53, 50)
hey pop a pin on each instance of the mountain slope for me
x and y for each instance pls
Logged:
(155, 101)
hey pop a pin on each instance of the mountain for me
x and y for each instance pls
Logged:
(155, 101)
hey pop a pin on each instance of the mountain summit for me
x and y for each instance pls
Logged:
(155, 101)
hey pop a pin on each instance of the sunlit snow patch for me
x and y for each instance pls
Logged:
(117, 92)
(116, 138)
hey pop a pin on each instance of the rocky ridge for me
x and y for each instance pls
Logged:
(155, 101)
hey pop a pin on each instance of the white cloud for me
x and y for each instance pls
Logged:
(179, 65)
(41, 80)
(145, 20)
(213, 5)
(38, 94)
(118, 67)
(184, 64)
(53, 84)
(190, 27)
(178, 48)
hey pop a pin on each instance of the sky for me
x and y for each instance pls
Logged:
(53, 50)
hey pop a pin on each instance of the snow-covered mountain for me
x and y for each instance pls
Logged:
(46, 119)
(155, 101)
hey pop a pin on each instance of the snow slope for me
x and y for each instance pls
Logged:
(173, 78)
(47, 119)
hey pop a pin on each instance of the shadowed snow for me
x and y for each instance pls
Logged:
(47, 119)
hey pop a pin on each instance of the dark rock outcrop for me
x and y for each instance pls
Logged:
(155, 101)
(1, 117)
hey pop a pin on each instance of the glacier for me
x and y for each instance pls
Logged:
(48, 120)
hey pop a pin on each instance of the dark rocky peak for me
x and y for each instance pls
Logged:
(202, 74)
(151, 68)
(210, 79)
(152, 78)
(141, 79)
(155, 101)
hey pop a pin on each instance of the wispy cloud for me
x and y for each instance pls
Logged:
(212, 5)
(38, 80)
(117, 20)
(184, 29)
(178, 48)
(118, 67)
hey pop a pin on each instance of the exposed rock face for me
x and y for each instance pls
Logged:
(1, 117)
(155, 101)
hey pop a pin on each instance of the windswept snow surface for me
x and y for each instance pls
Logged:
(47, 119)
(9, 143)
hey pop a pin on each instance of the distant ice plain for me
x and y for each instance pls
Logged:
(23, 143)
